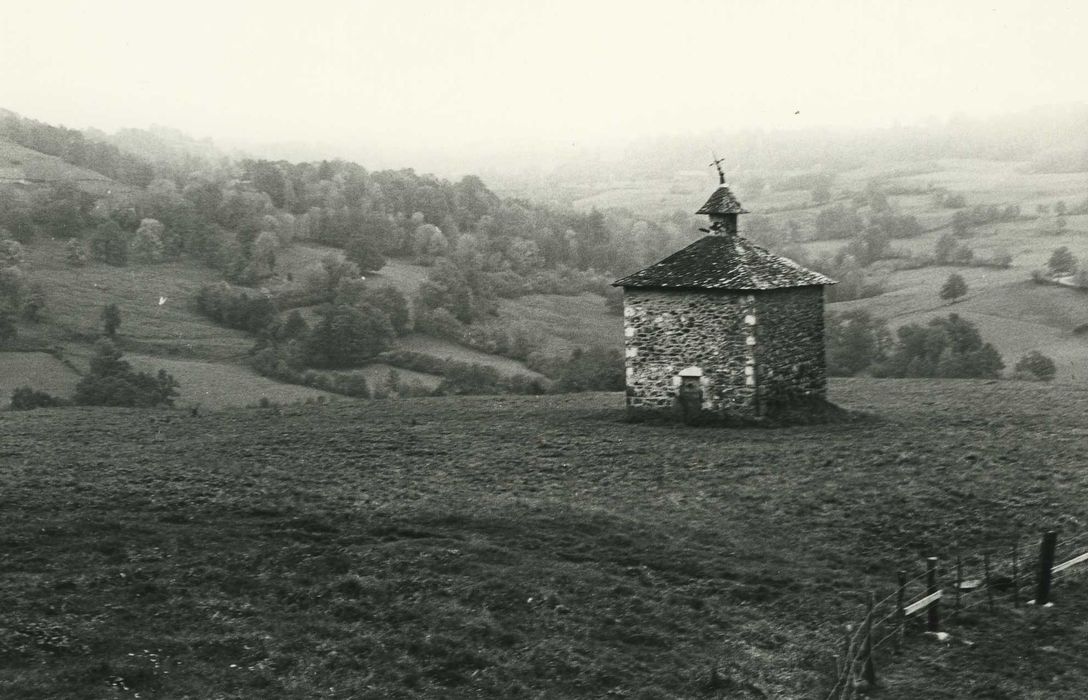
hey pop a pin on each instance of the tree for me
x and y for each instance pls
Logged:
(25, 399)
(34, 303)
(147, 244)
(8, 329)
(391, 302)
(75, 253)
(109, 244)
(262, 262)
(946, 245)
(837, 222)
(112, 382)
(11, 253)
(855, 340)
(365, 252)
(1035, 365)
(348, 335)
(954, 288)
(1062, 262)
(111, 319)
(324, 279)
(945, 347)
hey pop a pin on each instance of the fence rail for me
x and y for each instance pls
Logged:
(886, 621)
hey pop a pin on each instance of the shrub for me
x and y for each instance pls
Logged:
(75, 253)
(112, 382)
(1062, 262)
(945, 347)
(111, 319)
(953, 288)
(1035, 366)
(109, 244)
(236, 308)
(147, 246)
(855, 340)
(348, 335)
(26, 399)
(8, 329)
(463, 379)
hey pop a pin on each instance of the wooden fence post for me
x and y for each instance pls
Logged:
(933, 614)
(848, 655)
(869, 667)
(989, 591)
(1046, 563)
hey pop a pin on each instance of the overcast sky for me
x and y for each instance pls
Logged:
(475, 74)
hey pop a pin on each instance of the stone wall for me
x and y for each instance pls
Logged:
(668, 331)
(747, 348)
(790, 361)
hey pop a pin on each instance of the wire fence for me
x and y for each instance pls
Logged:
(948, 593)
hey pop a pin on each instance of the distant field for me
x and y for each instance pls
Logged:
(215, 386)
(296, 259)
(38, 370)
(400, 274)
(377, 376)
(19, 164)
(1016, 315)
(448, 350)
(565, 322)
(516, 547)
(156, 303)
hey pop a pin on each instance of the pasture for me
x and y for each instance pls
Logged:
(156, 303)
(38, 370)
(220, 385)
(522, 547)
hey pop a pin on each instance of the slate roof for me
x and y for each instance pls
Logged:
(722, 201)
(722, 261)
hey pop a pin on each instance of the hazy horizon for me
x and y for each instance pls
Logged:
(478, 82)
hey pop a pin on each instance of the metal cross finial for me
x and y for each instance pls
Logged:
(718, 164)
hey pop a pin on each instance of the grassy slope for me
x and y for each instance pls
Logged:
(39, 370)
(204, 357)
(445, 349)
(518, 547)
(23, 164)
(564, 322)
(216, 386)
(75, 298)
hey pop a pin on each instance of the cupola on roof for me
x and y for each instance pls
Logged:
(724, 259)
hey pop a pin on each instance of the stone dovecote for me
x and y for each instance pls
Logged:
(724, 326)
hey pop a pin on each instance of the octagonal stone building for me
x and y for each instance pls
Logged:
(724, 326)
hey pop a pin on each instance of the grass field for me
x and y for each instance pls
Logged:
(564, 322)
(522, 547)
(38, 370)
(156, 303)
(377, 376)
(220, 385)
(18, 164)
(448, 350)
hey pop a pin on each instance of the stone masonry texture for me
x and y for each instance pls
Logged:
(753, 349)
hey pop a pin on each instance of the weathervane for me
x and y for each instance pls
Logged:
(718, 164)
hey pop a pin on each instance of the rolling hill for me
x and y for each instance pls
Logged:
(25, 167)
